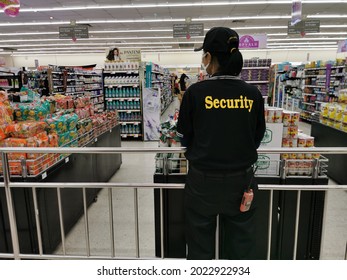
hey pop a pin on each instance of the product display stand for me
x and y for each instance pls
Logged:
(283, 222)
(326, 136)
(11, 81)
(321, 86)
(123, 92)
(75, 168)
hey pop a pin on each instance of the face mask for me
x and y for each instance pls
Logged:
(204, 67)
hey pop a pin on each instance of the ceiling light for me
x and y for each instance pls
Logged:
(174, 5)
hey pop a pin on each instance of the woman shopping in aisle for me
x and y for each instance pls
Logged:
(221, 122)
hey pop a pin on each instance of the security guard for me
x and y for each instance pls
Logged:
(221, 122)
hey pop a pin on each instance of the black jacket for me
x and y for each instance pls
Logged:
(222, 123)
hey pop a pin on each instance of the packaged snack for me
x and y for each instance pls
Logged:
(5, 114)
(13, 143)
(25, 129)
(287, 116)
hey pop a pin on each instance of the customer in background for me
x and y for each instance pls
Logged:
(183, 86)
(221, 122)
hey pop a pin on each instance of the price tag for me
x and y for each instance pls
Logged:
(96, 139)
(124, 123)
(124, 136)
(113, 72)
(67, 160)
(136, 135)
(129, 72)
(122, 99)
(119, 86)
(129, 112)
(109, 86)
(137, 99)
(44, 175)
(109, 99)
(135, 86)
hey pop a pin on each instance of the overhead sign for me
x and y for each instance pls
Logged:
(253, 42)
(304, 26)
(296, 12)
(188, 30)
(73, 31)
(342, 46)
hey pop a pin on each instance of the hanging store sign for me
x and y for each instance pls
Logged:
(303, 27)
(74, 32)
(188, 30)
(342, 46)
(296, 12)
(253, 42)
(10, 7)
(132, 55)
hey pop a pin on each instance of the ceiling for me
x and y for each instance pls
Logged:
(148, 24)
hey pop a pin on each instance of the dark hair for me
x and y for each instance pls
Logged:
(230, 63)
(110, 55)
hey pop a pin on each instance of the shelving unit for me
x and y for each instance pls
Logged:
(10, 81)
(257, 72)
(122, 88)
(321, 86)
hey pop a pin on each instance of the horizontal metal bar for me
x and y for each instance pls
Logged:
(91, 150)
(170, 186)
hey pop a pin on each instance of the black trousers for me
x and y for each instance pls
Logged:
(208, 195)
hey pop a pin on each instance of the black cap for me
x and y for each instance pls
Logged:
(220, 39)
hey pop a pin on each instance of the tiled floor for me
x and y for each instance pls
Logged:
(140, 168)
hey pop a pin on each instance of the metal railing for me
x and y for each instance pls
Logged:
(8, 185)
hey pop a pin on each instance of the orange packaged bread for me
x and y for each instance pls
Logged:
(13, 143)
(25, 129)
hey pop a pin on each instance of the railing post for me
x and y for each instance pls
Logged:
(137, 233)
(10, 206)
(315, 168)
(283, 169)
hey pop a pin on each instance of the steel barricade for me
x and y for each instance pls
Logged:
(8, 185)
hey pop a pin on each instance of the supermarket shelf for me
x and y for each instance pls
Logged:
(131, 135)
(130, 122)
(308, 103)
(303, 110)
(256, 68)
(321, 102)
(127, 71)
(122, 85)
(309, 94)
(129, 111)
(314, 86)
(94, 96)
(123, 98)
(92, 89)
(257, 82)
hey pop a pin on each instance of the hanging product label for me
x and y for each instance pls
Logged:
(342, 46)
(296, 12)
(10, 7)
(253, 41)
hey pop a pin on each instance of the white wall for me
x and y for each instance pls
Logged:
(175, 59)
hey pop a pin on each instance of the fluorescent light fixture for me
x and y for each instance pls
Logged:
(90, 48)
(173, 5)
(90, 39)
(326, 16)
(302, 43)
(306, 39)
(108, 21)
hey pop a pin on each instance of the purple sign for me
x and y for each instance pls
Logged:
(342, 46)
(253, 42)
(296, 12)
